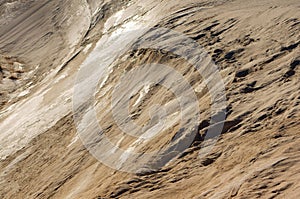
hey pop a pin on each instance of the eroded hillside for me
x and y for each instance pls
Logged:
(61, 68)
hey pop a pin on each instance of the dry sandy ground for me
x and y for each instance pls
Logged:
(256, 46)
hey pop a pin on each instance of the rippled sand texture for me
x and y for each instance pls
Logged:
(50, 49)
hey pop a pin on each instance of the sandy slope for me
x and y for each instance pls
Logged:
(255, 44)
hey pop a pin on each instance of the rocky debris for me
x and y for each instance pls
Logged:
(242, 73)
(10, 68)
(289, 73)
(12, 77)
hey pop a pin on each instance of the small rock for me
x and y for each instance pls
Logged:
(295, 63)
(280, 111)
(15, 76)
(242, 73)
(18, 67)
(262, 117)
(218, 51)
(290, 47)
(229, 55)
(276, 136)
(289, 73)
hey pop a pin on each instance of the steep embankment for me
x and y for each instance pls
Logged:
(43, 46)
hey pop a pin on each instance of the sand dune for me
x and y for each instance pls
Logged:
(149, 99)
